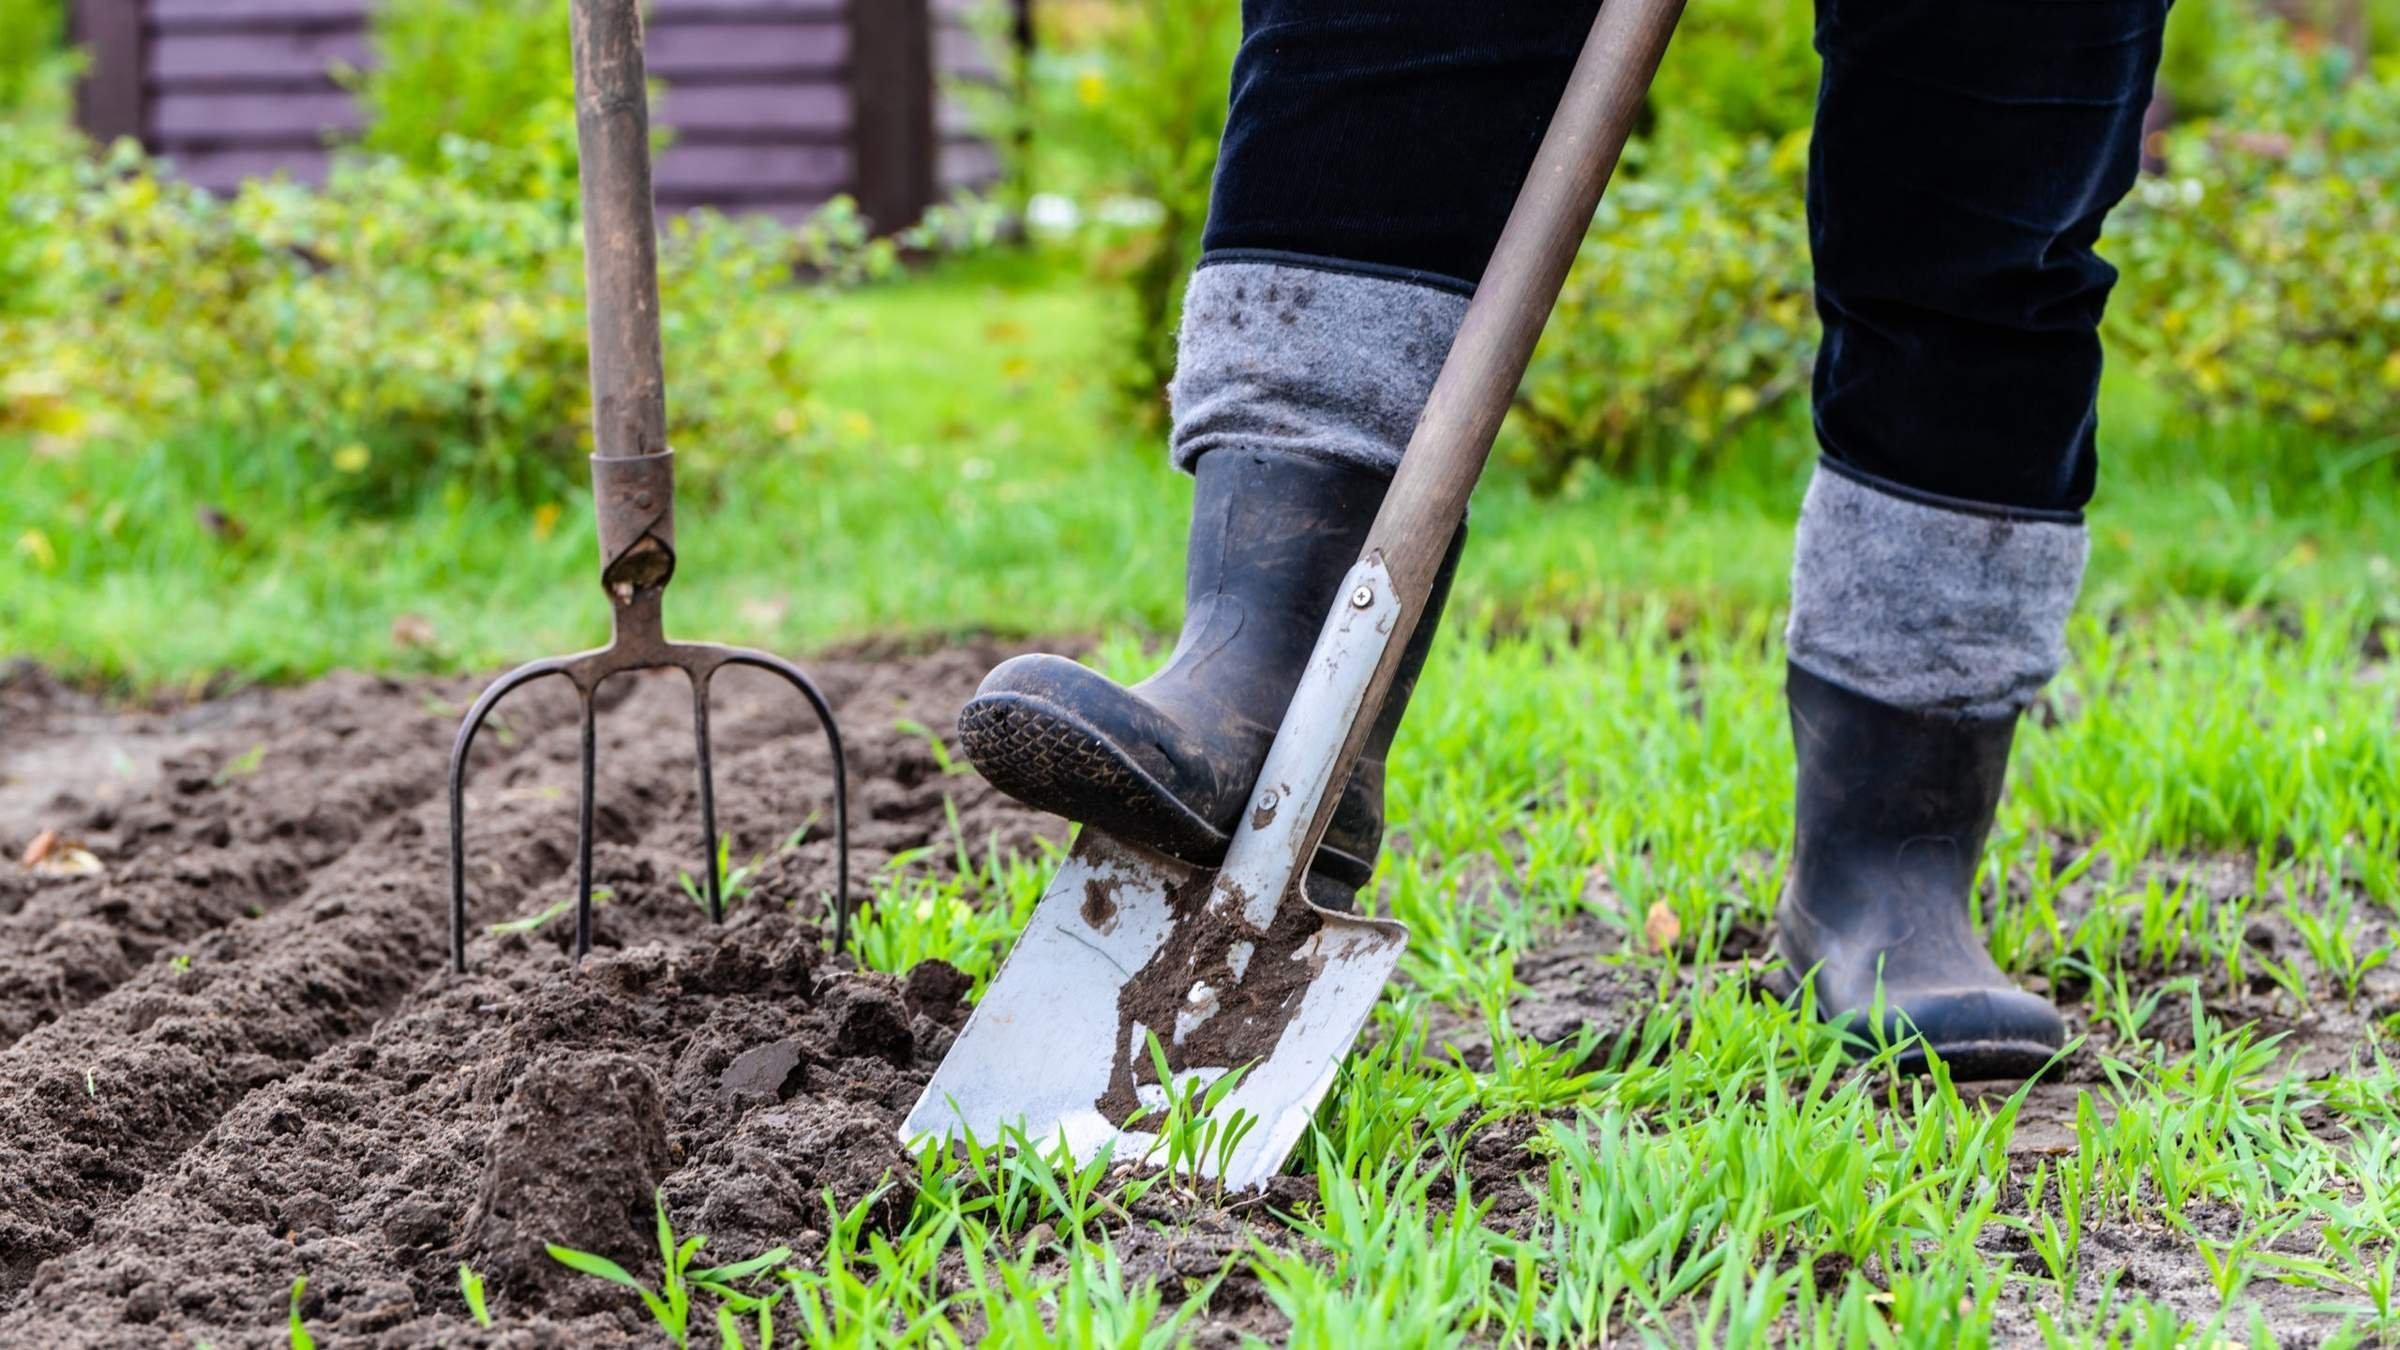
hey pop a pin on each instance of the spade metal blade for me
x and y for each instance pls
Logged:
(1132, 957)
(1119, 950)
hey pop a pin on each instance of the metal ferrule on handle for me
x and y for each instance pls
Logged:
(1427, 501)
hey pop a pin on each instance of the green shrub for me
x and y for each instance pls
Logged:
(1737, 69)
(1130, 98)
(2262, 272)
(400, 326)
(32, 32)
(492, 72)
(1689, 312)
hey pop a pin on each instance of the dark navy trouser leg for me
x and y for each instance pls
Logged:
(1966, 153)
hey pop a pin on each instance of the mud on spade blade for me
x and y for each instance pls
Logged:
(1229, 970)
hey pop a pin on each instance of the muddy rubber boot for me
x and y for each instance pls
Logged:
(1170, 762)
(1892, 811)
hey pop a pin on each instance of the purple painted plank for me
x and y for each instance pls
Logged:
(967, 164)
(182, 119)
(738, 11)
(701, 50)
(686, 52)
(757, 110)
(200, 15)
(284, 57)
(699, 171)
(958, 52)
(225, 170)
(188, 15)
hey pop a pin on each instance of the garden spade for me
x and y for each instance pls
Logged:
(1157, 1011)
(633, 475)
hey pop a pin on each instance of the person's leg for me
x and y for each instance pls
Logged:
(1370, 159)
(1965, 156)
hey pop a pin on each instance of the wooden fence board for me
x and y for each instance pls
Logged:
(192, 16)
(700, 171)
(967, 164)
(224, 169)
(702, 51)
(302, 57)
(277, 118)
(775, 104)
(763, 109)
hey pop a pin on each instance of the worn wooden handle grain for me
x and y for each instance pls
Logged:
(1427, 501)
(620, 236)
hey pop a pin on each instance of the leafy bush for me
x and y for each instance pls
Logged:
(2262, 272)
(493, 72)
(1738, 69)
(31, 35)
(1689, 312)
(1130, 98)
(402, 324)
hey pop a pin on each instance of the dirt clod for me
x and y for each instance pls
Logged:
(577, 1150)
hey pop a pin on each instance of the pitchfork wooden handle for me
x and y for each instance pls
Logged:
(620, 236)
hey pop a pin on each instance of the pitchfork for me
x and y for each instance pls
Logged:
(633, 476)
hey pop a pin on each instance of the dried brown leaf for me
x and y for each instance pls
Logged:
(1661, 926)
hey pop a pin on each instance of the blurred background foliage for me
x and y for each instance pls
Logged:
(487, 72)
(417, 321)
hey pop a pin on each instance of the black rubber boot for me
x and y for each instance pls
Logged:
(1892, 810)
(1170, 762)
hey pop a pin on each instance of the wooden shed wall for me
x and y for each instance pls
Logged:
(776, 105)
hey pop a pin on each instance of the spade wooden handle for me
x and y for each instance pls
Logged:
(1427, 501)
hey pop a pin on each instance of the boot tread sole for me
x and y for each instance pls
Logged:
(1050, 759)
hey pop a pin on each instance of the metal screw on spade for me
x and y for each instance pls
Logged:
(633, 478)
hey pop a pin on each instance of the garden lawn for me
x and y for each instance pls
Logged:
(1573, 1120)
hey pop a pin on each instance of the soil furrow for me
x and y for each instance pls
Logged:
(92, 1104)
(229, 834)
(98, 1103)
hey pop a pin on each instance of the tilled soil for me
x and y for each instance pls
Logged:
(235, 1056)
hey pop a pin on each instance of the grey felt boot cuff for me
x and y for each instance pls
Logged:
(1326, 363)
(1931, 607)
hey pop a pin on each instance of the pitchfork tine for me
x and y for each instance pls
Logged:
(708, 798)
(583, 830)
(743, 656)
(501, 688)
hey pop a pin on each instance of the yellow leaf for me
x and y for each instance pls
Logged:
(545, 519)
(1090, 88)
(352, 458)
(36, 545)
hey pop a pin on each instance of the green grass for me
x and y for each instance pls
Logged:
(2202, 830)
(972, 477)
